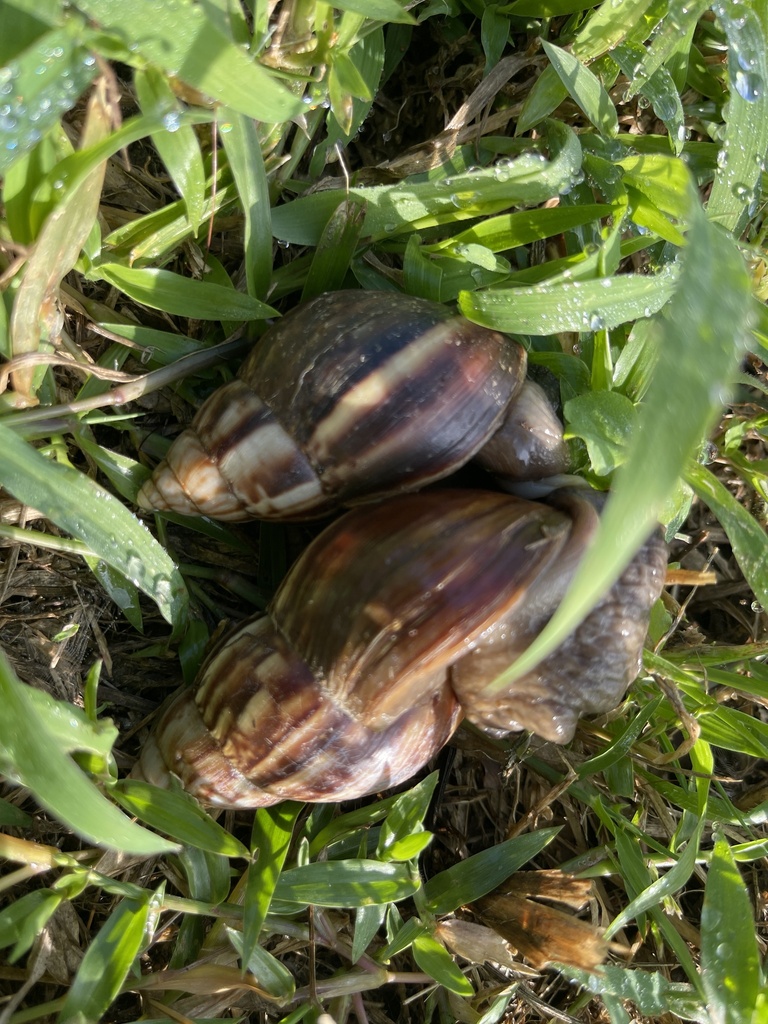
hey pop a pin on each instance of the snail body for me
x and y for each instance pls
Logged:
(391, 626)
(349, 397)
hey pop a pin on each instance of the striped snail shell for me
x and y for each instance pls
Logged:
(351, 396)
(390, 626)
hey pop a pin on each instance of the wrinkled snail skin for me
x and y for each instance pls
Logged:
(350, 396)
(390, 626)
(590, 672)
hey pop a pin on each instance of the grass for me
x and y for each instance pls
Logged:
(588, 176)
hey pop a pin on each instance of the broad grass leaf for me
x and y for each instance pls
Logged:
(183, 296)
(547, 94)
(106, 964)
(380, 10)
(368, 920)
(652, 994)
(70, 172)
(70, 727)
(178, 815)
(571, 306)
(348, 109)
(549, 8)
(85, 510)
(435, 960)
(667, 885)
(180, 37)
(38, 86)
(478, 875)
(405, 821)
(663, 179)
(347, 883)
(586, 90)
(730, 959)
(31, 755)
(608, 26)
(659, 88)
(702, 338)
(271, 975)
(680, 22)
(741, 160)
(606, 422)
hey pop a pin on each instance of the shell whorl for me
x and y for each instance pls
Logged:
(350, 396)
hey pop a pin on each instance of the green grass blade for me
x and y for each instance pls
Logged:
(607, 26)
(106, 964)
(184, 41)
(31, 754)
(178, 815)
(347, 883)
(243, 148)
(730, 960)
(414, 206)
(746, 534)
(476, 876)
(335, 249)
(177, 145)
(435, 960)
(23, 920)
(182, 296)
(585, 89)
(35, 313)
(573, 306)
(741, 160)
(270, 841)
(85, 510)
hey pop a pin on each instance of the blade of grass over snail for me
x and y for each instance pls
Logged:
(701, 337)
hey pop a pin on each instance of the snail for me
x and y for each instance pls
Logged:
(352, 396)
(389, 628)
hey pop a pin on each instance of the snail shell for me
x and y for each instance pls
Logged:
(390, 626)
(350, 396)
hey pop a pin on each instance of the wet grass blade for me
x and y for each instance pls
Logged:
(184, 41)
(730, 961)
(182, 296)
(572, 306)
(585, 89)
(84, 509)
(31, 755)
(242, 144)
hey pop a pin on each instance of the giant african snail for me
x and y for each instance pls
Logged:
(390, 626)
(399, 616)
(352, 396)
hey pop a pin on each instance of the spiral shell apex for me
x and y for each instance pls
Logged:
(350, 396)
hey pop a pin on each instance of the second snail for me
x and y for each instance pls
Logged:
(401, 614)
